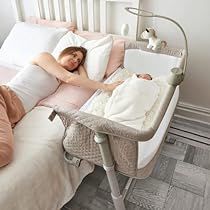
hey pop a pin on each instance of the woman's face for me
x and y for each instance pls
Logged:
(71, 61)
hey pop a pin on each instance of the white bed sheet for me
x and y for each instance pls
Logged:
(7, 71)
(39, 178)
(10, 66)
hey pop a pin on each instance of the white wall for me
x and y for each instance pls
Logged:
(7, 19)
(192, 15)
(118, 10)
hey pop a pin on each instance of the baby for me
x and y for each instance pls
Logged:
(144, 76)
(131, 100)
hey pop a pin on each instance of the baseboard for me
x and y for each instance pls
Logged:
(194, 113)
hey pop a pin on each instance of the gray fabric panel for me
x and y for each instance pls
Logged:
(79, 141)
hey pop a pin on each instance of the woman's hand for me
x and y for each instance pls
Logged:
(112, 86)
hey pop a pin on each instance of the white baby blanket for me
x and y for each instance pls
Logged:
(131, 100)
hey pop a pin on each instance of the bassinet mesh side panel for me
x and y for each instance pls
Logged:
(79, 141)
(125, 154)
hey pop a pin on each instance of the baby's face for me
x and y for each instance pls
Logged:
(144, 76)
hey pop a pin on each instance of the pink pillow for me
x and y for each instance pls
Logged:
(90, 35)
(117, 52)
(52, 23)
(67, 96)
(116, 56)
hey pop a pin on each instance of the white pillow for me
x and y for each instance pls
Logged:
(69, 39)
(98, 52)
(27, 40)
(97, 57)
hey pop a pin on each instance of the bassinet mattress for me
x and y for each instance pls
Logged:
(39, 178)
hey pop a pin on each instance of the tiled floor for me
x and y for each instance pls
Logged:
(179, 181)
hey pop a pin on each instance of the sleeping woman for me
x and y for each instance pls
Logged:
(35, 82)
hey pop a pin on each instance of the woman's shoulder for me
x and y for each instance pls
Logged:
(44, 56)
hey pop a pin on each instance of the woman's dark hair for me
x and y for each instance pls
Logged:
(149, 76)
(138, 75)
(70, 50)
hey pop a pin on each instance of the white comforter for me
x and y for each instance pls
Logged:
(131, 101)
(39, 178)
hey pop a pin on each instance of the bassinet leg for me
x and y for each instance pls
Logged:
(108, 165)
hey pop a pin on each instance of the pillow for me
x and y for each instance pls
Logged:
(116, 56)
(90, 35)
(51, 23)
(27, 40)
(117, 52)
(70, 39)
(97, 55)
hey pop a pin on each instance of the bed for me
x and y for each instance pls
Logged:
(39, 177)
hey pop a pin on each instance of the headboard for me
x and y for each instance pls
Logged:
(88, 15)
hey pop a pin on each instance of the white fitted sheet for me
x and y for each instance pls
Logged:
(7, 71)
(10, 66)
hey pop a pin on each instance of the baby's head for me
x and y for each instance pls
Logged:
(144, 76)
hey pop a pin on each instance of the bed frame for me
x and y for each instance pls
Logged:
(90, 15)
(78, 11)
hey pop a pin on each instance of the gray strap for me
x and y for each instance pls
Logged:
(72, 159)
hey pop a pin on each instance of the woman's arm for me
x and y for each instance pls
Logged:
(49, 63)
(82, 71)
